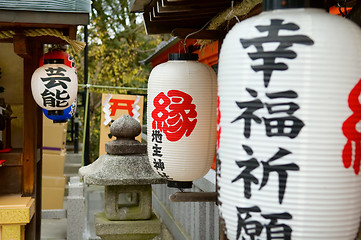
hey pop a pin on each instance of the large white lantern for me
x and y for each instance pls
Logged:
(182, 117)
(290, 144)
(54, 86)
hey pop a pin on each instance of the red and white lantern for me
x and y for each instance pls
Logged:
(182, 117)
(57, 56)
(54, 86)
(290, 143)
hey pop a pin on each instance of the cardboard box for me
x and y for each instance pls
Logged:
(48, 122)
(54, 151)
(52, 192)
(54, 134)
(54, 137)
(53, 164)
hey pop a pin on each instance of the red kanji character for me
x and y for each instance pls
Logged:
(350, 131)
(160, 113)
(172, 114)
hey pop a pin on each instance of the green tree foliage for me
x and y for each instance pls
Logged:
(117, 42)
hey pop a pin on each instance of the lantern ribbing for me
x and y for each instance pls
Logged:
(289, 148)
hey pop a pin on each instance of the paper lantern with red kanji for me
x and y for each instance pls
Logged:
(182, 117)
(290, 144)
(54, 86)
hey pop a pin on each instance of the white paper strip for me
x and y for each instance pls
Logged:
(136, 108)
(106, 109)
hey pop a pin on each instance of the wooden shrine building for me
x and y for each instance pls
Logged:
(25, 27)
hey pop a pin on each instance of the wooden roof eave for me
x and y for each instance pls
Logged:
(21, 17)
(18, 21)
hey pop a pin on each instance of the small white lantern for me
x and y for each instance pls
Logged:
(54, 86)
(182, 117)
(290, 151)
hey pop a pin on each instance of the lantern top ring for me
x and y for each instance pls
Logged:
(269, 5)
(183, 56)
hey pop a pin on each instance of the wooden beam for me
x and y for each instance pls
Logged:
(66, 18)
(72, 32)
(186, 13)
(21, 47)
(31, 119)
(203, 34)
(193, 197)
(354, 14)
(138, 5)
(188, 8)
(198, 1)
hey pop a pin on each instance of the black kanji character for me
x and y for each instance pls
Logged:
(49, 101)
(276, 230)
(248, 114)
(249, 166)
(157, 151)
(280, 169)
(158, 164)
(56, 81)
(251, 228)
(289, 126)
(283, 126)
(55, 71)
(55, 99)
(269, 57)
(157, 136)
(63, 95)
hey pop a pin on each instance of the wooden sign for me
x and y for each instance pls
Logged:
(113, 106)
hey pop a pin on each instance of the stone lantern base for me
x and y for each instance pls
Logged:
(128, 202)
(126, 230)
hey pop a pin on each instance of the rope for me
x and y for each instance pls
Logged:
(238, 10)
(76, 45)
(6, 34)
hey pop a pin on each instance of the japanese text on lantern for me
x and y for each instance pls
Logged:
(52, 95)
(174, 114)
(174, 117)
(279, 120)
(158, 164)
(350, 131)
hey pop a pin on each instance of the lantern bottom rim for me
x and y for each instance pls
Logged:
(179, 184)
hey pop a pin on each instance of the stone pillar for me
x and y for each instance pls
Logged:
(127, 176)
(75, 209)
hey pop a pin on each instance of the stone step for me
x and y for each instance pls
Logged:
(72, 168)
(73, 157)
(69, 175)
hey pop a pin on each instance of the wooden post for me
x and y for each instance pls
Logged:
(32, 139)
(30, 120)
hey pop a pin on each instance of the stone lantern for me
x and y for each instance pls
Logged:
(127, 176)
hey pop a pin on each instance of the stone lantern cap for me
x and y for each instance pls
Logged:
(125, 129)
(126, 161)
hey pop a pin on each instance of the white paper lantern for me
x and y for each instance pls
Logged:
(54, 86)
(290, 146)
(181, 113)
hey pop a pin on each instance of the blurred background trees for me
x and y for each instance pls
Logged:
(117, 42)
